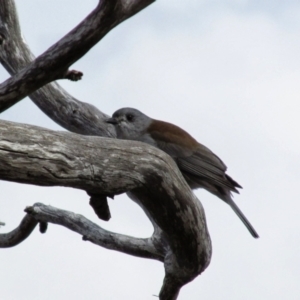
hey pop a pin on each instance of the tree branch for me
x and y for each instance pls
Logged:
(90, 231)
(19, 234)
(39, 212)
(34, 155)
(54, 63)
(100, 166)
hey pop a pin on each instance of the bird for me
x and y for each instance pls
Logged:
(200, 167)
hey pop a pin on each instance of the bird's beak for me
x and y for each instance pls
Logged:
(111, 121)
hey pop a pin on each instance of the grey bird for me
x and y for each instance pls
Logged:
(200, 167)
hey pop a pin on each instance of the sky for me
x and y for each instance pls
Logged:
(227, 72)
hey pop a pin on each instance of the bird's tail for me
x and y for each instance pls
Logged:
(242, 218)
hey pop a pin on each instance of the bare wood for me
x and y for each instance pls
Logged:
(34, 155)
(92, 232)
(52, 99)
(61, 107)
(54, 63)
(19, 234)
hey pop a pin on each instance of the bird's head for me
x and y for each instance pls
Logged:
(130, 123)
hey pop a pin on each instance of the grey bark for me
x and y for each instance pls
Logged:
(101, 166)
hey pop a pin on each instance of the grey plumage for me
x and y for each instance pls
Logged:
(200, 166)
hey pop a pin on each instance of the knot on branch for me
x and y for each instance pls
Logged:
(43, 227)
(100, 205)
(30, 210)
(73, 75)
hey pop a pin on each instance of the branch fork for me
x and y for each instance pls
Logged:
(92, 160)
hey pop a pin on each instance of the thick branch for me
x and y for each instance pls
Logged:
(53, 100)
(54, 63)
(34, 155)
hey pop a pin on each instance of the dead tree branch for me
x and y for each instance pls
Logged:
(34, 155)
(19, 234)
(61, 107)
(101, 166)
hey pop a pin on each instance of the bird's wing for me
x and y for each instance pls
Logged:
(201, 163)
(204, 168)
(194, 158)
(179, 144)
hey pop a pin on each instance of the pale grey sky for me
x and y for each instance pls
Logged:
(226, 71)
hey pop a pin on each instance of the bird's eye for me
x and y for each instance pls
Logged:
(129, 117)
